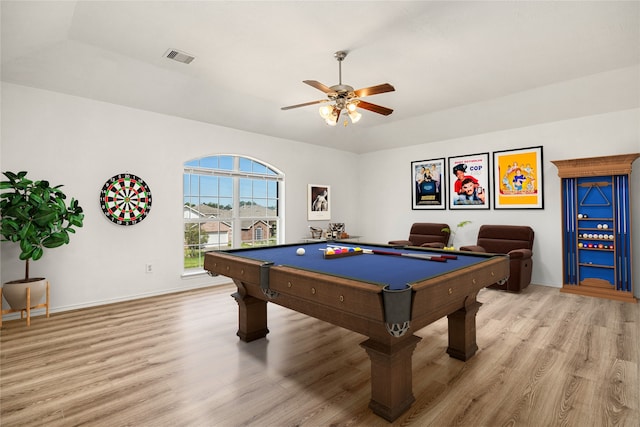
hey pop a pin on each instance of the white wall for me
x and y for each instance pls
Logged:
(600, 135)
(81, 143)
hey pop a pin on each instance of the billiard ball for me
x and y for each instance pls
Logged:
(600, 246)
(300, 251)
(580, 245)
(605, 226)
(585, 216)
(580, 215)
(599, 226)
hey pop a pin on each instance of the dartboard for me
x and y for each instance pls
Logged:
(125, 199)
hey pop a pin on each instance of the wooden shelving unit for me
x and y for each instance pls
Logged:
(596, 226)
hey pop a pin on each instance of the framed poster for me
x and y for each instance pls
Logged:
(428, 185)
(518, 179)
(318, 202)
(470, 182)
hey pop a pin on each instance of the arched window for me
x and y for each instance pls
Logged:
(229, 202)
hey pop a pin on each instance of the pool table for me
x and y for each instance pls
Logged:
(384, 294)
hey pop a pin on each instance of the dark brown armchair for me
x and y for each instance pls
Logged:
(427, 234)
(513, 240)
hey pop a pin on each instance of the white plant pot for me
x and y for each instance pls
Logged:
(15, 292)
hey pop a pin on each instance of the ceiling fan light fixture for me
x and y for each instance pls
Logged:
(325, 111)
(332, 118)
(354, 116)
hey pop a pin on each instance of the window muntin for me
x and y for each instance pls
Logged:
(229, 202)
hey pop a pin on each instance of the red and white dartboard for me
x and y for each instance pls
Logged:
(125, 199)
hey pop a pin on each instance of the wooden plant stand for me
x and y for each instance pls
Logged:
(27, 310)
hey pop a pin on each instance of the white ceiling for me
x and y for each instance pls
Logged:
(448, 60)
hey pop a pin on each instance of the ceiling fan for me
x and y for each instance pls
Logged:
(342, 97)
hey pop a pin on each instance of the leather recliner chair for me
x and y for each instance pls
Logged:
(513, 240)
(427, 234)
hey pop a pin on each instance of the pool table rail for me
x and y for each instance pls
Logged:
(351, 303)
(439, 296)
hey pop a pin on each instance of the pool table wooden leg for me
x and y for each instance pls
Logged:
(252, 315)
(391, 376)
(462, 330)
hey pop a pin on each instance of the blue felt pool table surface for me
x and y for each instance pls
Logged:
(394, 271)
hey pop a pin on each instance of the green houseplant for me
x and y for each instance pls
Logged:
(453, 233)
(35, 215)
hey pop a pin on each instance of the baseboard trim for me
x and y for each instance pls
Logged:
(217, 281)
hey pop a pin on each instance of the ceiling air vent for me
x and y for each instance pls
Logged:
(176, 55)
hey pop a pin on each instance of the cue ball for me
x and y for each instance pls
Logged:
(300, 251)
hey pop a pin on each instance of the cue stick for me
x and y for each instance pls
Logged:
(419, 256)
(448, 256)
(424, 256)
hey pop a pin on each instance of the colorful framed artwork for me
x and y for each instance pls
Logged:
(318, 202)
(469, 188)
(428, 184)
(518, 179)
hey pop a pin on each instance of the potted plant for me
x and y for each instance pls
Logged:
(453, 233)
(35, 215)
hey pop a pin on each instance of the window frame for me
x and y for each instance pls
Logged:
(239, 200)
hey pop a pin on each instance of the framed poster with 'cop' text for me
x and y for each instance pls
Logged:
(469, 188)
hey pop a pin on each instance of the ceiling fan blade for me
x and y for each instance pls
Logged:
(374, 90)
(375, 108)
(318, 86)
(303, 105)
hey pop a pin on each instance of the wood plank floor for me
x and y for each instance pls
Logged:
(545, 359)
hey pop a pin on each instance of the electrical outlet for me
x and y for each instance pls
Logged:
(149, 268)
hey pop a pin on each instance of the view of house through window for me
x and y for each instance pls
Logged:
(229, 202)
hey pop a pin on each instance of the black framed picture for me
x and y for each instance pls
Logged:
(428, 184)
(469, 188)
(517, 179)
